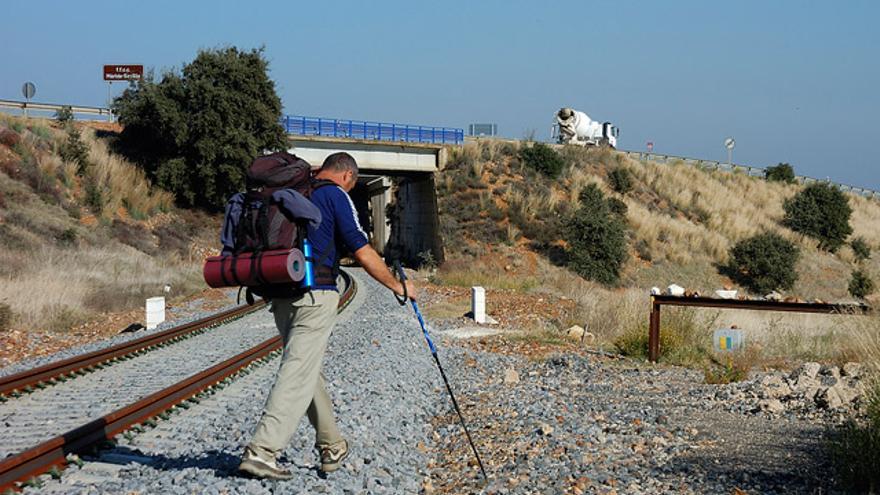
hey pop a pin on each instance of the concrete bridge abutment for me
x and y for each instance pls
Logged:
(395, 196)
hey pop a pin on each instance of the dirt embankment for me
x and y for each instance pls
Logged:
(84, 239)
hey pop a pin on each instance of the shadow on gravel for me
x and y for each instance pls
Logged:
(780, 462)
(223, 464)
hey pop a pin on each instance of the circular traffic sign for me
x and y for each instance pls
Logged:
(729, 143)
(28, 89)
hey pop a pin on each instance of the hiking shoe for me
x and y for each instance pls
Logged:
(259, 466)
(332, 456)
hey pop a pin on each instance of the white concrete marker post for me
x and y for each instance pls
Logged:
(478, 304)
(155, 312)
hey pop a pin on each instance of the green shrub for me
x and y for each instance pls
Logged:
(64, 115)
(683, 339)
(729, 371)
(74, 150)
(596, 237)
(860, 285)
(782, 172)
(42, 132)
(94, 196)
(822, 212)
(67, 237)
(764, 263)
(542, 158)
(195, 132)
(620, 180)
(860, 248)
(731, 366)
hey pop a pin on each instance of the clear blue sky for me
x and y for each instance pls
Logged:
(795, 81)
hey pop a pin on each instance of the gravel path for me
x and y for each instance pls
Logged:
(576, 424)
(43, 414)
(382, 380)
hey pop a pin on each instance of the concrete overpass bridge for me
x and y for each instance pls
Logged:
(395, 195)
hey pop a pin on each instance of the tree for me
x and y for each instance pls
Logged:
(782, 172)
(596, 237)
(764, 263)
(195, 132)
(822, 212)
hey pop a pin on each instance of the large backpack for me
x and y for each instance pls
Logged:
(263, 226)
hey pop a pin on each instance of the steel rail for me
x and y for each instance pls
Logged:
(745, 304)
(53, 453)
(42, 376)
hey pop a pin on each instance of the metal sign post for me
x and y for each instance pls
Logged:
(729, 143)
(28, 89)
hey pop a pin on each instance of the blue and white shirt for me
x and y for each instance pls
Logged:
(339, 228)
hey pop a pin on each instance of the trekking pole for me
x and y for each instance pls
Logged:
(402, 301)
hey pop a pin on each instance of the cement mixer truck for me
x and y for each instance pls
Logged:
(575, 127)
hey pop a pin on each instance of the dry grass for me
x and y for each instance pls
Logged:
(683, 219)
(59, 267)
(125, 184)
(60, 288)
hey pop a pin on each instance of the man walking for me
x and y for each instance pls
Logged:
(305, 322)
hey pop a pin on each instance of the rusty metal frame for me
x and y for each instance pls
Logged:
(53, 453)
(752, 305)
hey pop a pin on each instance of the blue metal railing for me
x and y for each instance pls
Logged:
(374, 131)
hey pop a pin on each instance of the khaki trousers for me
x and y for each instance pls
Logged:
(305, 324)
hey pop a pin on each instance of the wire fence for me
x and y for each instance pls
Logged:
(748, 170)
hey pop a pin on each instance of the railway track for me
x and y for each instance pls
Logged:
(54, 453)
(17, 384)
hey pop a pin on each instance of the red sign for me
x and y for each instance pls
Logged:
(123, 72)
(650, 146)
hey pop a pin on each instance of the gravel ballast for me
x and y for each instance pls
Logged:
(574, 423)
(557, 423)
(43, 414)
(384, 385)
(192, 310)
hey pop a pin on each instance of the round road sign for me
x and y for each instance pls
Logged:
(729, 143)
(28, 90)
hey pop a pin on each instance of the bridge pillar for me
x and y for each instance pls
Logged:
(416, 226)
(380, 198)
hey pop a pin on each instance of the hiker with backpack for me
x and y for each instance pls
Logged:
(272, 215)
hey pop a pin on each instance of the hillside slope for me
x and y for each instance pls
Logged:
(83, 233)
(502, 224)
(682, 220)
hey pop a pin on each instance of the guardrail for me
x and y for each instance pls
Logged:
(373, 131)
(49, 107)
(748, 170)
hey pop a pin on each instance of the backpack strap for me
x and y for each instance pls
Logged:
(262, 226)
(318, 262)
